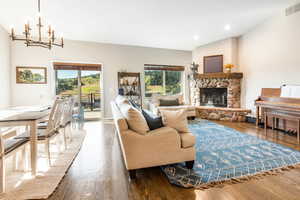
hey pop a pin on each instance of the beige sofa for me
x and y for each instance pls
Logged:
(155, 107)
(158, 147)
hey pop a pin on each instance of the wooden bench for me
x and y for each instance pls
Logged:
(283, 116)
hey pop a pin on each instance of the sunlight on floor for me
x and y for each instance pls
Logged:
(20, 178)
(43, 165)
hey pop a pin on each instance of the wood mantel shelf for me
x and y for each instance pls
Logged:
(235, 75)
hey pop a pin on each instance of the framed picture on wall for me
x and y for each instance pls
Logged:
(31, 75)
(213, 64)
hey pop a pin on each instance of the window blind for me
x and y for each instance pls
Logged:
(163, 67)
(76, 66)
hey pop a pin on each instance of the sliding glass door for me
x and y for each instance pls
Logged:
(90, 93)
(83, 84)
(67, 82)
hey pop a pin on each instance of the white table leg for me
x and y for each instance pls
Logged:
(33, 147)
(2, 174)
(2, 165)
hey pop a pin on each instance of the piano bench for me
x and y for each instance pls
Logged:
(283, 116)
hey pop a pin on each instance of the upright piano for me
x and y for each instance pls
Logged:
(270, 100)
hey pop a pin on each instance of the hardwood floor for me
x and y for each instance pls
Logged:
(98, 173)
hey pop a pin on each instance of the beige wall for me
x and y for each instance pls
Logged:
(4, 68)
(269, 56)
(228, 48)
(113, 57)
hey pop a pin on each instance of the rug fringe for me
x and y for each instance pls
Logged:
(243, 179)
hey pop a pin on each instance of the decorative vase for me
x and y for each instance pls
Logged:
(228, 70)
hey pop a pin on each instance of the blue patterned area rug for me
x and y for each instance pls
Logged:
(225, 155)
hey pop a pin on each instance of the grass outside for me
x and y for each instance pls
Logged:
(154, 89)
(85, 91)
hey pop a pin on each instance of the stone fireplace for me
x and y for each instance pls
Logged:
(217, 96)
(213, 86)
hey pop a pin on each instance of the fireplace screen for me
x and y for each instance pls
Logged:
(215, 97)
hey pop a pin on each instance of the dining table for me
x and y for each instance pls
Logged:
(28, 116)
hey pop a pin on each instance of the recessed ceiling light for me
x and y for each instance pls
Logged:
(196, 37)
(227, 27)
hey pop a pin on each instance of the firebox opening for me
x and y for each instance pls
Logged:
(215, 97)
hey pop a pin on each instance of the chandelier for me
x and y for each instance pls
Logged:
(39, 41)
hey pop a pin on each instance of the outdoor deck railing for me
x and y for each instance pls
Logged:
(89, 101)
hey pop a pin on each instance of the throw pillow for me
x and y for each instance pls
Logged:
(176, 119)
(120, 100)
(135, 104)
(168, 102)
(153, 121)
(135, 119)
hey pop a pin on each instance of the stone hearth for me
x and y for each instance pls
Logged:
(223, 114)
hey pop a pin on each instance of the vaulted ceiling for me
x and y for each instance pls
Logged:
(174, 24)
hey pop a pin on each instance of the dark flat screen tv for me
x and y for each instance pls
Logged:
(213, 64)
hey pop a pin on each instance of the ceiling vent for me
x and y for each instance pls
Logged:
(293, 9)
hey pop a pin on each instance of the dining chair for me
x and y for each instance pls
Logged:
(77, 114)
(45, 135)
(66, 118)
(70, 116)
(10, 145)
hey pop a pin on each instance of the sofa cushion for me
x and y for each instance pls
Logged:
(120, 100)
(190, 110)
(153, 121)
(122, 124)
(163, 131)
(135, 119)
(176, 119)
(169, 102)
(156, 98)
(186, 107)
(119, 119)
(187, 140)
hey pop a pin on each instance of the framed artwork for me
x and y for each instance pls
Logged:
(31, 75)
(213, 64)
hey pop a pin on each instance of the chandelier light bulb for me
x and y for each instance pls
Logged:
(50, 24)
(227, 27)
(196, 37)
(28, 20)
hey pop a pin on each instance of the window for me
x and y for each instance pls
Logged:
(163, 80)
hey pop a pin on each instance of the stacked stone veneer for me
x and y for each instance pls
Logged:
(223, 114)
(233, 86)
(233, 112)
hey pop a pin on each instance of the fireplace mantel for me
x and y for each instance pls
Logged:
(235, 75)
